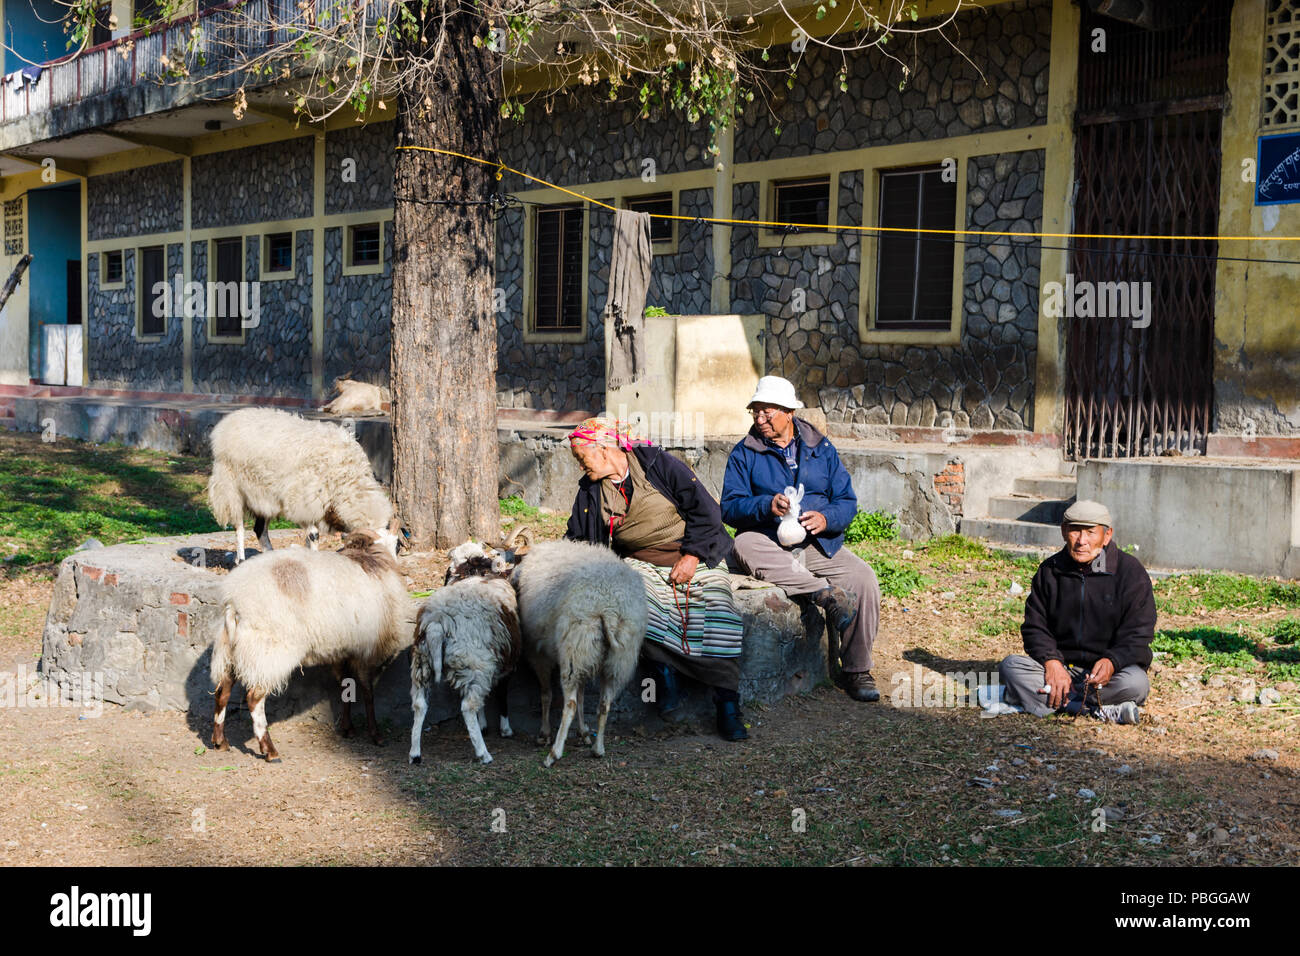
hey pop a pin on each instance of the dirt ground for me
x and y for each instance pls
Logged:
(822, 779)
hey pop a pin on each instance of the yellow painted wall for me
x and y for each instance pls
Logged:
(1257, 305)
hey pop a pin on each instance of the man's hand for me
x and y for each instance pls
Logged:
(780, 505)
(1102, 672)
(814, 522)
(684, 569)
(1058, 685)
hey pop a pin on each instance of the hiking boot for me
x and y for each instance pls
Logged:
(1125, 713)
(731, 724)
(841, 609)
(667, 698)
(860, 685)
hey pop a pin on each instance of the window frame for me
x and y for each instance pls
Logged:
(873, 181)
(210, 321)
(531, 334)
(140, 294)
(264, 272)
(662, 247)
(105, 285)
(367, 268)
(808, 236)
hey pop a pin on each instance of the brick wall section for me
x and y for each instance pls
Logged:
(950, 485)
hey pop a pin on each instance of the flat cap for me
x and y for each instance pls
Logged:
(1087, 513)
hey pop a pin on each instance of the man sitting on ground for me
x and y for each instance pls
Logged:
(1089, 622)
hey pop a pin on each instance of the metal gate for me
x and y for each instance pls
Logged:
(1139, 313)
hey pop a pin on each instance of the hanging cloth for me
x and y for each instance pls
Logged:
(629, 280)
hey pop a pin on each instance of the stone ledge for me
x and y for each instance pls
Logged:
(143, 619)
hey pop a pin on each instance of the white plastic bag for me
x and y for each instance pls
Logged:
(790, 532)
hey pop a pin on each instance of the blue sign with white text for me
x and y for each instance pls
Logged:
(1278, 170)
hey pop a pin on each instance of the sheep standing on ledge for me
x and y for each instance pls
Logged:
(273, 463)
(296, 608)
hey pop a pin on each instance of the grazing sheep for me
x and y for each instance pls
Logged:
(469, 629)
(273, 463)
(358, 398)
(584, 609)
(297, 608)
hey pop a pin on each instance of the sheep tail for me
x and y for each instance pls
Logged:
(431, 635)
(222, 664)
(224, 496)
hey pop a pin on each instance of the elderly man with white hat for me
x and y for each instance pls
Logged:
(807, 558)
(1089, 622)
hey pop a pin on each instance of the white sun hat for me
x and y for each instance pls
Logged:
(774, 390)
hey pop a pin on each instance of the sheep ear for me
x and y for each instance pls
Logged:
(524, 533)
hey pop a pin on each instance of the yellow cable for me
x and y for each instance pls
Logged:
(827, 227)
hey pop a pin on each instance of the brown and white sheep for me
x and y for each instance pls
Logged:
(582, 608)
(291, 609)
(273, 463)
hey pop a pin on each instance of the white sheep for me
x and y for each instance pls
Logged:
(584, 609)
(273, 463)
(296, 608)
(358, 398)
(468, 630)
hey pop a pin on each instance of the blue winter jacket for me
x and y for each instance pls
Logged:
(757, 473)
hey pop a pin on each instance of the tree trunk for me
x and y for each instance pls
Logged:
(444, 336)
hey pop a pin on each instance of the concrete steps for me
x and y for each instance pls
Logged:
(1029, 517)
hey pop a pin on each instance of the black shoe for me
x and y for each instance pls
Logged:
(731, 725)
(841, 609)
(667, 698)
(860, 685)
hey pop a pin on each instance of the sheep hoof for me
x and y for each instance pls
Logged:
(586, 739)
(598, 752)
(506, 731)
(543, 739)
(550, 760)
(486, 758)
(415, 759)
(221, 745)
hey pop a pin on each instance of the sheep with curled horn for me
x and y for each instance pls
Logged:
(468, 632)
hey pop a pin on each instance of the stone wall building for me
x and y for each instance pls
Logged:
(1017, 127)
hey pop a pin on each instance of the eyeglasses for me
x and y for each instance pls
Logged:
(766, 413)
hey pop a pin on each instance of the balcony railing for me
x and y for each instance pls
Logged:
(250, 26)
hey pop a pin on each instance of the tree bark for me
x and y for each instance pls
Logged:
(444, 336)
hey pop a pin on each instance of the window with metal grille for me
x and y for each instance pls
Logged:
(1280, 104)
(661, 230)
(557, 269)
(112, 267)
(152, 271)
(228, 272)
(279, 252)
(805, 202)
(914, 270)
(364, 245)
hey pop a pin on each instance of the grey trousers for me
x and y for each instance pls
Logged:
(1023, 677)
(805, 570)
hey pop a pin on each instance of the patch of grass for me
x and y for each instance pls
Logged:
(1186, 593)
(1006, 621)
(872, 526)
(956, 548)
(1285, 631)
(1221, 649)
(516, 507)
(53, 496)
(897, 579)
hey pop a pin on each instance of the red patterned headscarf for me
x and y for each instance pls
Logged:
(607, 432)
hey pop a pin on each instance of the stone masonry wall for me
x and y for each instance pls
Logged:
(258, 184)
(358, 312)
(371, 148)
(275, 358)
(117, 359)
(946, 96)
(135, 202)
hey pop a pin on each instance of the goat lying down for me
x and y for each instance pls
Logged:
(296, 608)
(583, 609)
(469, 632)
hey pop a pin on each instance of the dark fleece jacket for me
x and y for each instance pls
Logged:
(1077, 614)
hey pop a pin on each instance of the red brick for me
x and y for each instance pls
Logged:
(179, 598)
(93, 573)
(110, 579)
(182, 624)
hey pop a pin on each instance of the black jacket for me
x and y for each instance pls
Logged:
(705, 537)
(1077, 615)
